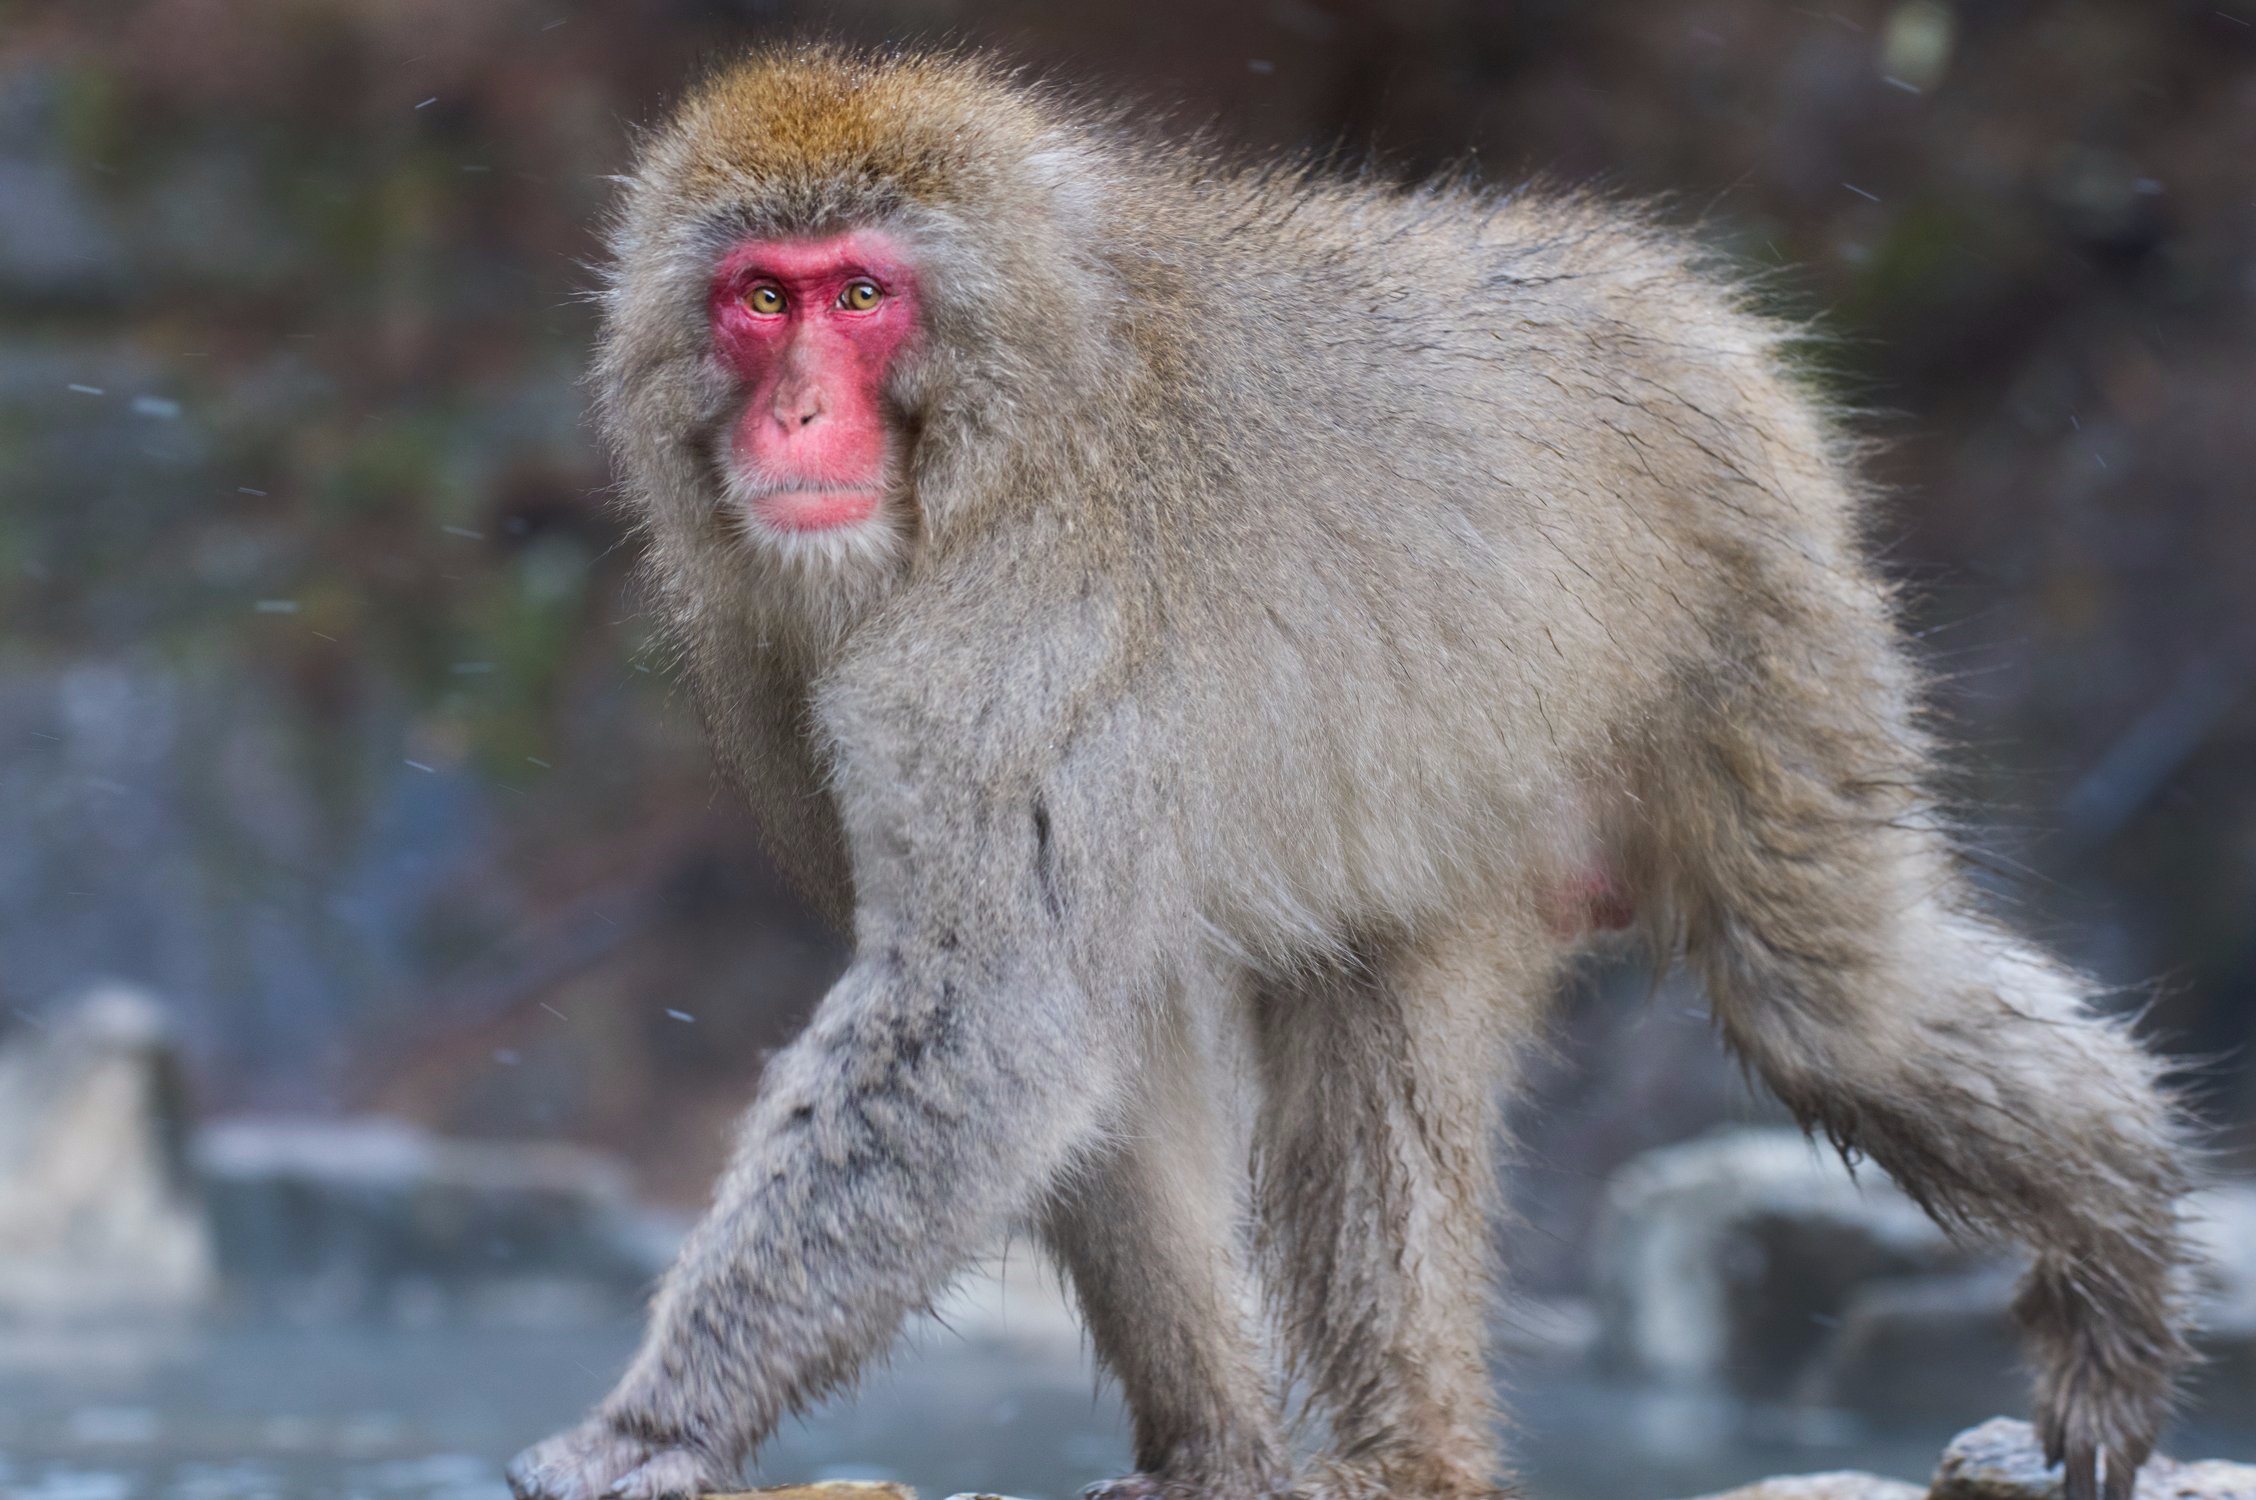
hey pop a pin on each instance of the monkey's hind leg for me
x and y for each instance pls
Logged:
(1147, 1232)
(1849, 965)
(1375, 1188)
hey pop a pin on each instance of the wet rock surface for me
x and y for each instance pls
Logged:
(114, 1203)
(836, 1489)
(2224, 1228)
(1751, 1258)
(374, 1216)
(1844, 1484)
(98, 1211)
(1906, 1346)
(2001, 1460)
(1735, 1255)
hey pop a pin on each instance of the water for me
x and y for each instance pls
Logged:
(377, 1413)
(263, 1412)
(387, 1413)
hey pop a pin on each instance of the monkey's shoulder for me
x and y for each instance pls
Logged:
(978, 663)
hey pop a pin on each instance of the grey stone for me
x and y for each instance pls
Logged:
(98, 1214)
(1844, 1484)
(2000, 1460)
(1920, 1347)
(834, 1489)
(376, 1217)
(1734, 1256)
(2223, 1222)
(1930, 1346)
(1752, 1258)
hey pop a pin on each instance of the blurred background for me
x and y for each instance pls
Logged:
(381, 962)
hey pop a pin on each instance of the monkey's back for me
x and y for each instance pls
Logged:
(1516, 472)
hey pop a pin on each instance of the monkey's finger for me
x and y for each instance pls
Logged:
(2082, 1476)
(532, 1475)
(2122, 1476)
(576, 1465)
(532, 1479)
(1129, 1487)
(668, 1474)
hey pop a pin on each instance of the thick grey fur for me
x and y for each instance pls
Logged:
(1291, 594)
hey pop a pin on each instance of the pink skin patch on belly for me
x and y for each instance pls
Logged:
(1589, 902)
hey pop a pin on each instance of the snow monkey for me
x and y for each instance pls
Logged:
(1224, 638)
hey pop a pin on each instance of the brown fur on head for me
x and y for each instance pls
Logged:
(791, 130)
(933, 150)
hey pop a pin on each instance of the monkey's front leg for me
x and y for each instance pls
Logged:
(932, 1096)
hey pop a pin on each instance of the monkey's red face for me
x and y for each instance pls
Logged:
(812, 327)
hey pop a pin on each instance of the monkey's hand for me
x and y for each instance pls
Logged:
(601, 1460)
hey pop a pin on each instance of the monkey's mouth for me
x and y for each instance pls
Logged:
(815, 509)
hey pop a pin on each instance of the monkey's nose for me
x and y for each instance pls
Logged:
(799, 408)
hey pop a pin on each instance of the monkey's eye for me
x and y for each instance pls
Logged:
(860, 295)
(765, 300)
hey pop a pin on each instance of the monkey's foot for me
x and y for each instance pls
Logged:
(1136, 1487)
(2108, 1350)
(596, 1461)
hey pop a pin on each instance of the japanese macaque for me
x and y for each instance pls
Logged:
(1225, 635)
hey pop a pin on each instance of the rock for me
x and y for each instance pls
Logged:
(1922, 1346)
(2223, 1223)
(2000, 1460)
(835, 1489)
(2211, 1479)
(1917, 1347)
(377, 1217)
(1751, 1257)
(1734, 1256)
(98, 1214)
(1845, 1484)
